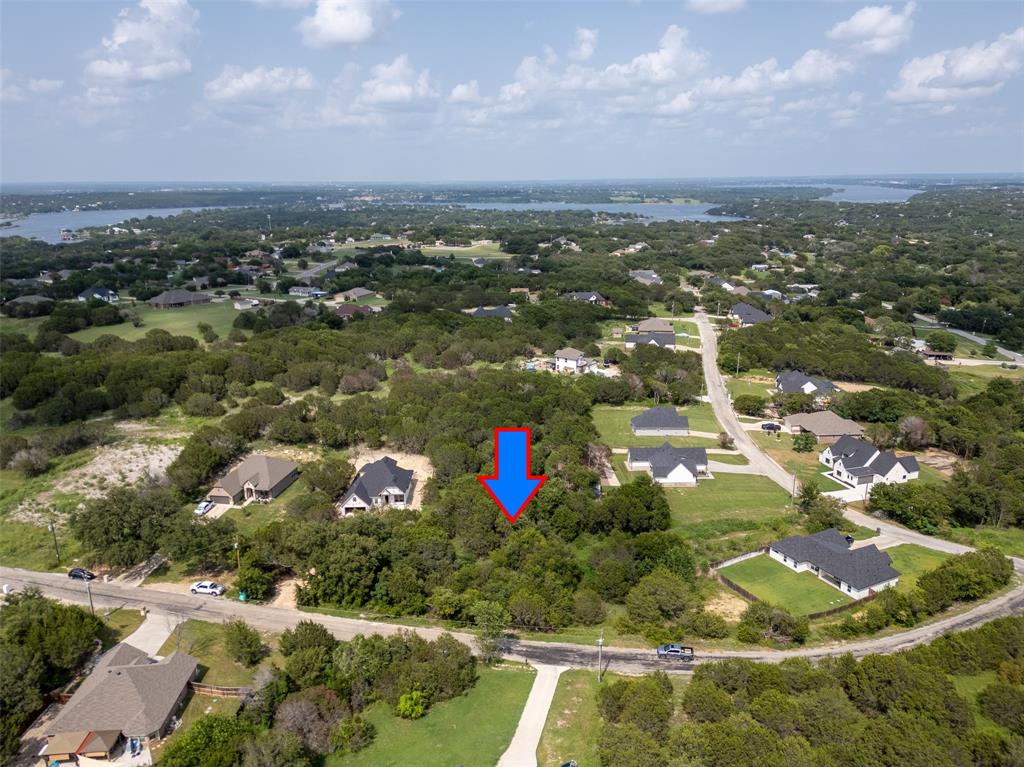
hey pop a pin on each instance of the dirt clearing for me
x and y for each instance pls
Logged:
(730, 606)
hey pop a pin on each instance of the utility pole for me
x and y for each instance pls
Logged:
(88, 588)
(737, 364)
(238, 556)
(600, 656)
(56, 546)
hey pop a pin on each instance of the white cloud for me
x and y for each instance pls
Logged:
(261, 84)
(345, 22)
(283, 3)
(465, 93)
(970, 72)
(876, 28)
(395, 83)
(813, 68)
(673, 59)
(716, 6)
(147, 45)
(586, 44)
(14, 87)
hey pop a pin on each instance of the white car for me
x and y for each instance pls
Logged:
(207, 587)
(202, 508)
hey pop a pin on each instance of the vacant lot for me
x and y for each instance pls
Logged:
(911, 561)
(205, 642)
(573, 721)
(974, 379)
(734, 497)
(613, 425)
(474, 729)
(492, 250)
(1008, 540)
(771, 581)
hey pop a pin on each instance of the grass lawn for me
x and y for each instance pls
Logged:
(123, 621)
(492, 250)
(969, 687)
(199, 706)
(179, 322)
(771, 581)
(573, 721)
(1008, 540)
(736, 459)
(474, 729)
(930, 476)
(804, 465)
(205, 642)
(912, 561)
(974, 379)
(743, 385)
(29, 546)
(726, 497)
(613, 425)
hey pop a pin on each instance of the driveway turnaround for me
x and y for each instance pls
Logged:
(522, 751)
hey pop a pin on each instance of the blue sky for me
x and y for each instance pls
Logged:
(365, 90)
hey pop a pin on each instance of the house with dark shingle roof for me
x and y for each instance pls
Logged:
(857, 573)
(257, 478)
(857, 463)
(654, 338)
(500, 312)
(670, 466)
(661, 421)
(98, 294)
(646, 276)
(653, 325)
(746, 315)
(176, 298)
(127, 695)
(587, 297)
(797, 382)
(377, 485)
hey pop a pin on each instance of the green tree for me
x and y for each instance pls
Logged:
(941, 341)
(243, 642)
(804, 443)
(750, 404)
(491, 620)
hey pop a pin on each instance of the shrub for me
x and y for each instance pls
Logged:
(353, 734)
(243, 642)
(1004, 704)
(202, 404)
(412, 705)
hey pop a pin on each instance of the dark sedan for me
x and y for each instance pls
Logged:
(80, 574)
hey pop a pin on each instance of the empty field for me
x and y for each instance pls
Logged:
(770, 581)
(492, 250)
(726, 497)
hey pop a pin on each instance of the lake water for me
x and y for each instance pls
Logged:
(659, 211)
(47, 226)
(867, 193)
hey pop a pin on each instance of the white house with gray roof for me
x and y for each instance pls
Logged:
(858, 573)
(661, 421)
(798, 382)
(569, 360)
(856, 463)
(670, 466)
(378, 485)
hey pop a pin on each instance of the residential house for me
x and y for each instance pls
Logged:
(746, 315)
(98, 294)
(858, 573)
(646, 276)
(257, 478)
(565, 242)
(501, 312)
(826, 426)
(670, 466)
(769, 294)
(377, 485)
(653, 325)
(355, 294)
(718, 282)
(303, 291)
(742, 290)
(378, 237)
(796, 382)
(31, 300)
(857, 463)
(176, 298)
(479, 263)
(246, 303)
(663, 421)
(348, 311)
(571, 360)
(525, 292)
(347, 266)
(759, 268)
(48, 278)
(587, 296)
(201, 283)
(128, 696)
(654, 338)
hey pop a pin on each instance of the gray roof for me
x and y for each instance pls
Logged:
(749, 315)
(179, 296)
(262, 471)
(861, 568)
(860, 457)
(825, 423)
(656, 324)
(791, 381)
(357, 293)
(664, 417)
(646, 274)
(665, 458)
(569, 353)
(127, 692)
(583, 295)
(31, 300)
(502, 312)
(657, 338)
(376, 477)
(102, 293)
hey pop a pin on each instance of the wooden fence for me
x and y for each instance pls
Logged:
(216, 691)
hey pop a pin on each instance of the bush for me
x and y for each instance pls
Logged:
(412, 705)
(588, 608)
(243, 642)
(804, 443)
(202, 404)
(750, 404)
(256, 583)
(306, 635)
(1004, 704)
(353, 734)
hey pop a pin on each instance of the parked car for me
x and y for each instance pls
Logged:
(202, 508)
(676, 651)
(769, 426)
(80, 574)
(207, 587)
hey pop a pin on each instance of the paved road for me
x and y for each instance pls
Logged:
(760, 463)
(522, 751)
(1015, 356)
(621, 659)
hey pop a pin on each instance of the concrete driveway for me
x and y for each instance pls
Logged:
(522, 751)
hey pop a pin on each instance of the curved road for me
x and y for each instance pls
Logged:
(981, 340)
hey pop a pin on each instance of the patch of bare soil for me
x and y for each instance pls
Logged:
(285, 595)
(941, 460)
(139, 429)
(854, 387)
(293, 453)
(420, 465)
(182, 586)
(730, 606)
